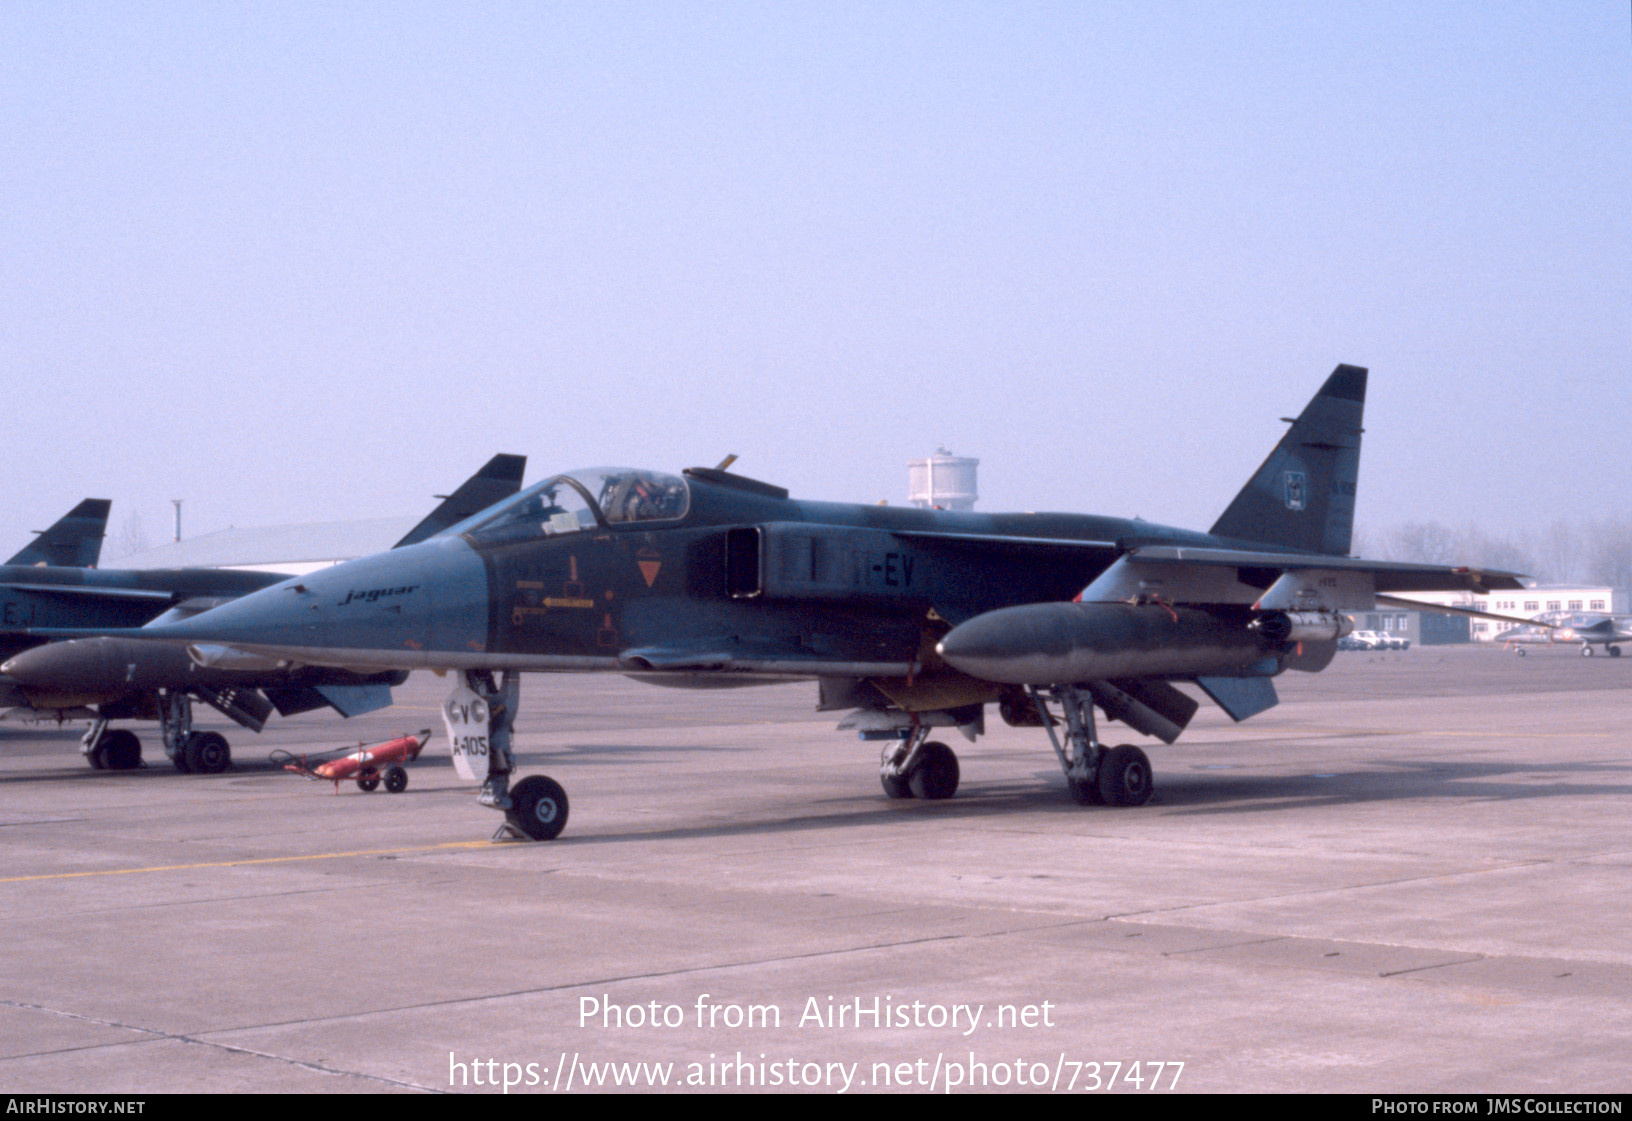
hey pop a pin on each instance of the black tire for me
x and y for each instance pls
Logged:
(368, 781)
(1019, 712)
(896, 786)
(1614, 651)
(97, 757)
(1085, 793)
(1586, 651)
(208, 753)
(1124, 777)
(538, 807)
(396, 779)
(935, 773)
(121, 750)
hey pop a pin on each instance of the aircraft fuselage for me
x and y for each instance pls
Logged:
(743, 582)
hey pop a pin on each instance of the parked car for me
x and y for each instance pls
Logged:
(1376, 640)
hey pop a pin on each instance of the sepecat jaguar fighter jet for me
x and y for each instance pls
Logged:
(914, 619)
(105, 679)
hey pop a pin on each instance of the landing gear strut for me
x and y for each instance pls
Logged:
(1095, 774)
(204, 753)
(536, 807)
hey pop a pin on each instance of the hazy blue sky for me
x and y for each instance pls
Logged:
(318, 261)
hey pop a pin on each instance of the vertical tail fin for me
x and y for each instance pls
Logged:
(1303, 495)
(74, 541)
(497, 480)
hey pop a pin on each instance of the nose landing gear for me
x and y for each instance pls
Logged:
(535, 809)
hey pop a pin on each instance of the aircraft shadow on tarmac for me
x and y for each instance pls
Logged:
(1202, 790)
(1213, 792)
(1180, 794)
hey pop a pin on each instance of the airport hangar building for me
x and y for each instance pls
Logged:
(1426, 628)
(291, 549)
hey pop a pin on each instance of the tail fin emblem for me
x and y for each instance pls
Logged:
(1296, 490)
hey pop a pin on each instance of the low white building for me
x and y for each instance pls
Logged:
(1541, 600)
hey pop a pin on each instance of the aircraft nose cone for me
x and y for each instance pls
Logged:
(391, 610)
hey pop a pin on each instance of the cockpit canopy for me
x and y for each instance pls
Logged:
(580, 500)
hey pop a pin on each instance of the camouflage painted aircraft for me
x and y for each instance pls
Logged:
(73, 541)
(35, 597)
(915, 619)
(108, 679)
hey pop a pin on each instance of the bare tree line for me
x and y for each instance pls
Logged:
(129, 539)
(1592, 552)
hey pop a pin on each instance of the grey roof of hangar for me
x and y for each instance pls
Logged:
(275, 548)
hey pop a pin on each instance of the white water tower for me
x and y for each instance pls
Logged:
(944, 480)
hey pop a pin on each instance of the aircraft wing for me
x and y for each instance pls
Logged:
(1469, 612)
(1387, 576)
(1203, 613)
(94, 592)
(1315, 581)
(1276, 581)
(1167, 564)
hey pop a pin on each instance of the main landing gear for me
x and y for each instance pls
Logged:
(918, 767)
(914, 766)
(110, 749)
(118, 749)
(536, 807)
(200, 753)
(1096, 774)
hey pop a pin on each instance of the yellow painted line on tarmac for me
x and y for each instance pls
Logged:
(1519, 735)
(237, 863)
(1444, 733)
